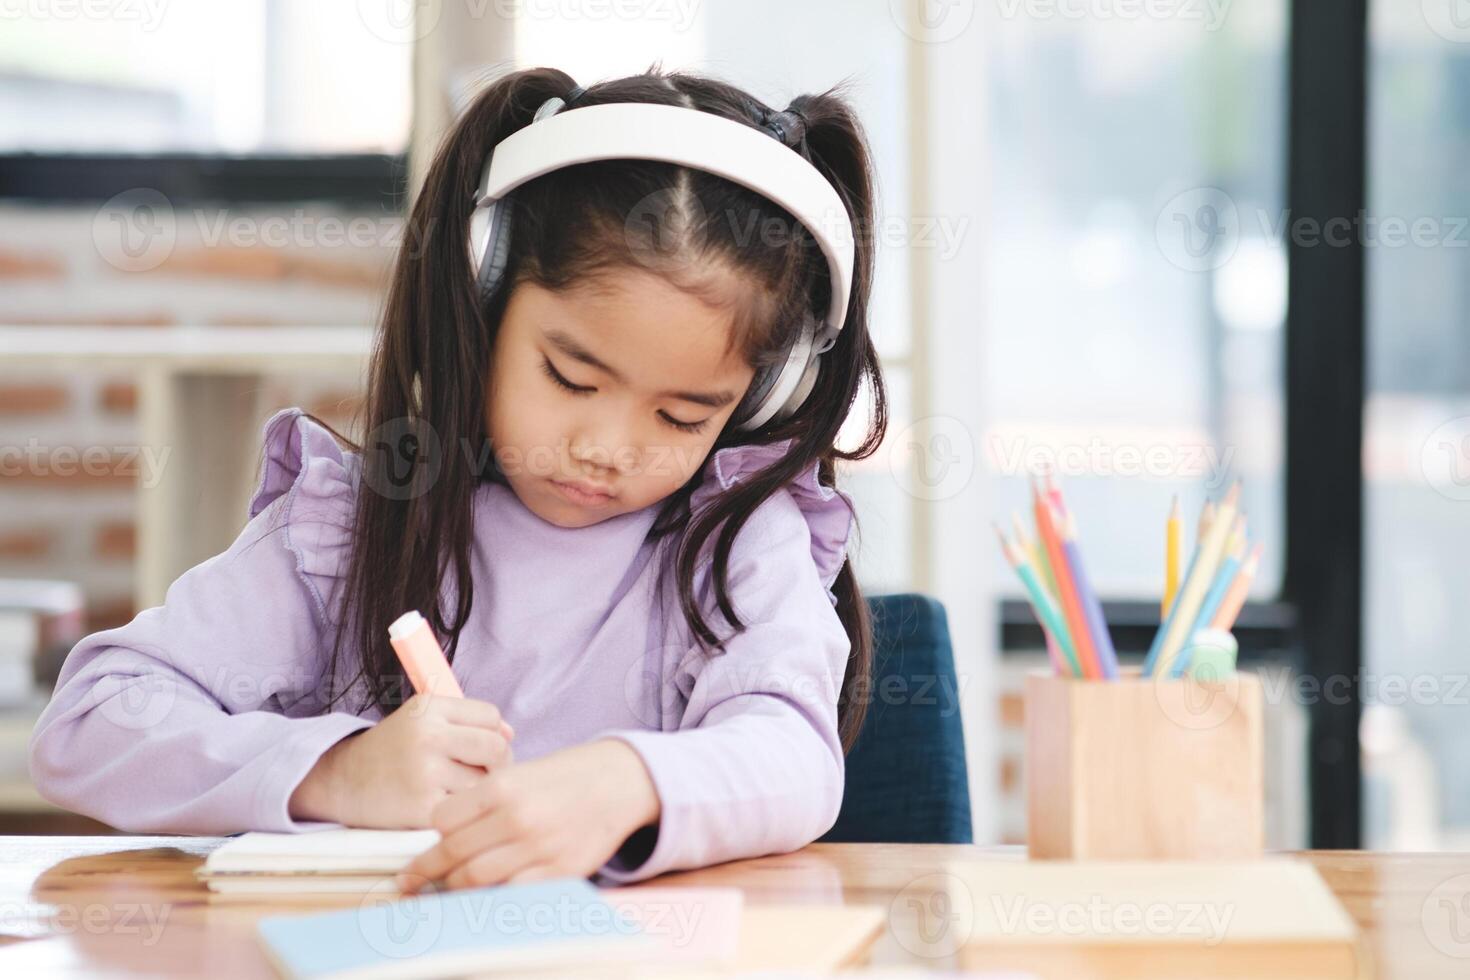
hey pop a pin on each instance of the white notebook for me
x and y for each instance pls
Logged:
(337, 859)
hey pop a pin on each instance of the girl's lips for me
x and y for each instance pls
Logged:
(578, 496)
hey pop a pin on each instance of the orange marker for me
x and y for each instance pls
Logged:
(423, 659)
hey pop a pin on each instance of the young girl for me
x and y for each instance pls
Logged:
(637, 571)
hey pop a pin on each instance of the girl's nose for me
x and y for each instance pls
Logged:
(593, 459)
(602, 447)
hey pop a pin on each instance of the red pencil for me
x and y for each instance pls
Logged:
(1046, 529)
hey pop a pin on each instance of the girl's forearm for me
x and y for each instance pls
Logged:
(636, 787)
(317, 795)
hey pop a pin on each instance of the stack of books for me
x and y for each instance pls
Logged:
(330, 861)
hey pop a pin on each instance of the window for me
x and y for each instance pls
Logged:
(244, 77)
(1416, 456)
(1136, 275)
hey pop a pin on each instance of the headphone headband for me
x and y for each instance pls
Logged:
(691, 138)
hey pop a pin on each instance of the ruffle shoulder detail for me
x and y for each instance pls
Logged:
(827, 510)
(318, 480)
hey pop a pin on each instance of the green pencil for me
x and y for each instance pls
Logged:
(1046, 610)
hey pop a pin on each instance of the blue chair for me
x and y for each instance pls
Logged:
(906, 774)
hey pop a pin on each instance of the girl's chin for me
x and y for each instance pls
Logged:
(571, 521)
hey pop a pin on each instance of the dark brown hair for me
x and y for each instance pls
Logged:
(431, 360)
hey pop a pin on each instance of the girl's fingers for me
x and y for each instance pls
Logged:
(458, 809)
(470, 711)
(534, 872)
(478, 747)
(461, 778)
(487, 832)
(491, 867)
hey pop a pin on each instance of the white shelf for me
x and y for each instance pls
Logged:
(193, 348)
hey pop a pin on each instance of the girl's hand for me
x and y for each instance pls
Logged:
(559, 816)
(394, 774)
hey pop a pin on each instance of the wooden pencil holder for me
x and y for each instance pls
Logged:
(1144, 768)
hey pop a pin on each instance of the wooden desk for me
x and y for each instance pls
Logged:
(129, 906)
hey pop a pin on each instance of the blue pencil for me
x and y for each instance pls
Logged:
(1212, 538)
(1218, 590)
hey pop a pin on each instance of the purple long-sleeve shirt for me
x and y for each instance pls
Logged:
(202, 715)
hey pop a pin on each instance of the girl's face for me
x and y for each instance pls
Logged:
(620, 386)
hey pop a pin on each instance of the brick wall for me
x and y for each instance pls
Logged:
(73, 265)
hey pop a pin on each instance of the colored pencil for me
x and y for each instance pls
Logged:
(1038, 559)
(1059, 513)
(1066, 589)
(1171, 637)
(1235, 551)
(1234, 600)
(1042, 568)
(1044, 608)
(1206, 518)
(1102, 641)
(1054, 496)
(1216, 595)
(1173, 545)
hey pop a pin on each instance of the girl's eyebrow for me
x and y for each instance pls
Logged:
(569, 346)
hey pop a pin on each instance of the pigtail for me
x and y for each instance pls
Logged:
(425, 443)
(824, 129)
(836, 146)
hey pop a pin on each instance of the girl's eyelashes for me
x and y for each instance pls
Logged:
(685, 426)
(555, 375)
(561, 382)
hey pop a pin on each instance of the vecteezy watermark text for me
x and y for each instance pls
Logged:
(1210, 14)
(1018, 456)
(1100, 917)
(145, 463)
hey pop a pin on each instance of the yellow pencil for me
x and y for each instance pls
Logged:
(1174, 633)
(1202, 528)
(1174, 544)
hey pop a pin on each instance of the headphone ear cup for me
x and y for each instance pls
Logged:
(755, 395)
(497, 249)
(803, 389)
(787, 381)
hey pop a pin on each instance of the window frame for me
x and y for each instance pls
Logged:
(1326, 353)
(357, 180)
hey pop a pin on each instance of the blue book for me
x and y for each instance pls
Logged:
(537, 925)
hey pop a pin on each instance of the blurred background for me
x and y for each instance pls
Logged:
(1106, 245)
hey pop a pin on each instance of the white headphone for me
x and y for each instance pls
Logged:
(701, 140)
